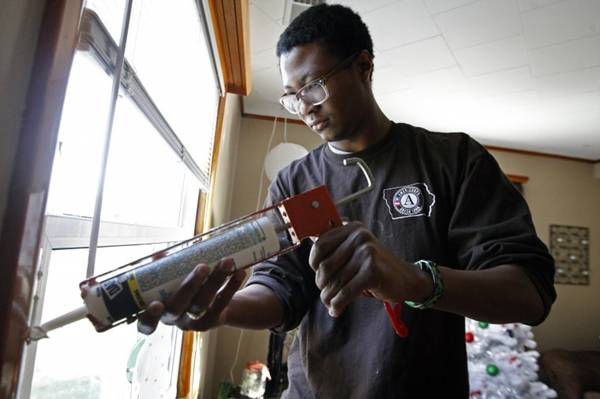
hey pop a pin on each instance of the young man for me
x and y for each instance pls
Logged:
(439, 200)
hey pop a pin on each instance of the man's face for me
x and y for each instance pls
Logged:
(339, 116)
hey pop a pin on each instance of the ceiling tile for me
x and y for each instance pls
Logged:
(526, 5)
(362, 6)
(443, 113)
(440, 83)
(567, 20)
(437, 6)
(273, 8)
(569, 56)
(264, 32)
(514, 80)
(480, 22)
(592, 10)
(508, 103)
(568, 83)
(266, 84)
(264, 59)
(551, 105)
(400, 23)
(443, 81)
(386, 80)
(494, 56)
(565, 105)
(422, 56)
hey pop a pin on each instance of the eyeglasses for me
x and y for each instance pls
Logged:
(314, 92)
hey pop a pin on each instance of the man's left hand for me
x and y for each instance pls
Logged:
(349, 259)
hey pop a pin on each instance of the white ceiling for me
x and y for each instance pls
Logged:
(521, 74)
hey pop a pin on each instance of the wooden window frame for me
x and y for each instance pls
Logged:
(231, 22)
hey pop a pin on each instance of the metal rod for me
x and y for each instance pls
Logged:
(368, 175)
(111, 118)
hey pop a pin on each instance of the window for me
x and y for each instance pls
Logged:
(159, 151)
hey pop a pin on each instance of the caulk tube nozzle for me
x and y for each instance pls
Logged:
(39, 332)
(65, 319)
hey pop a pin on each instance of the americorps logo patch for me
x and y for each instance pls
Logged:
(409, 201)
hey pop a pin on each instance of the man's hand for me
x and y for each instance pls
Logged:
(350, 259)
(201, 293)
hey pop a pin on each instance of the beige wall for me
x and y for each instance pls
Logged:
(250, 151)
(222, 194)
(214, 359)
(558, 191)
(253, 149)
(564, 192)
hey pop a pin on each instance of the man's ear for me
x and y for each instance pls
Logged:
(365, 64)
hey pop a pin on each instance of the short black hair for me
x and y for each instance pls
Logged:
(338, 28)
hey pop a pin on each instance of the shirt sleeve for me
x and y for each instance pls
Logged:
(491, 225)
(288, 276)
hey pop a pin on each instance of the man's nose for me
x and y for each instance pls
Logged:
(305, 108)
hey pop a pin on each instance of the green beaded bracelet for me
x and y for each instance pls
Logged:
(438, 284)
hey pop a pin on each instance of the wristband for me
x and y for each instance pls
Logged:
(438, 285)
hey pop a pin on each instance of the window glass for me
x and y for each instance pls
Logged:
(167, 49)
(76, 361)
(77, 159)
(149, 195)
(145, 180)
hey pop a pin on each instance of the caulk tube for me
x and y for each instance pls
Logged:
(121, 297)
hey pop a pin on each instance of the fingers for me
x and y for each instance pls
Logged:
(344, 262)
(334, 270)
(212, 316)
(202, 298)
(148, 320)
(180, 300)
(352, 279)
(326, 244)
(334, 263)
(348, 292)
(196, 293)
(332, 239)
(336, 283)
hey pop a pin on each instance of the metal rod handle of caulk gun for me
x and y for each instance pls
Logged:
(368, 175)
(321, 217)
(393, 310)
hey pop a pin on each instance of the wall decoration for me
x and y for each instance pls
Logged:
(569, 245)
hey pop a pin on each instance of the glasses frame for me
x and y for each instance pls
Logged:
(340, 66)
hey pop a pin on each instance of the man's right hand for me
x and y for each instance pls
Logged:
(199, 304)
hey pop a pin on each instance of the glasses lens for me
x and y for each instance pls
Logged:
(313, 94)
(290, 103)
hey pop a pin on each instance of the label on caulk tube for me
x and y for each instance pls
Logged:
(246, 244)
(119, 299)
(126, 294)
